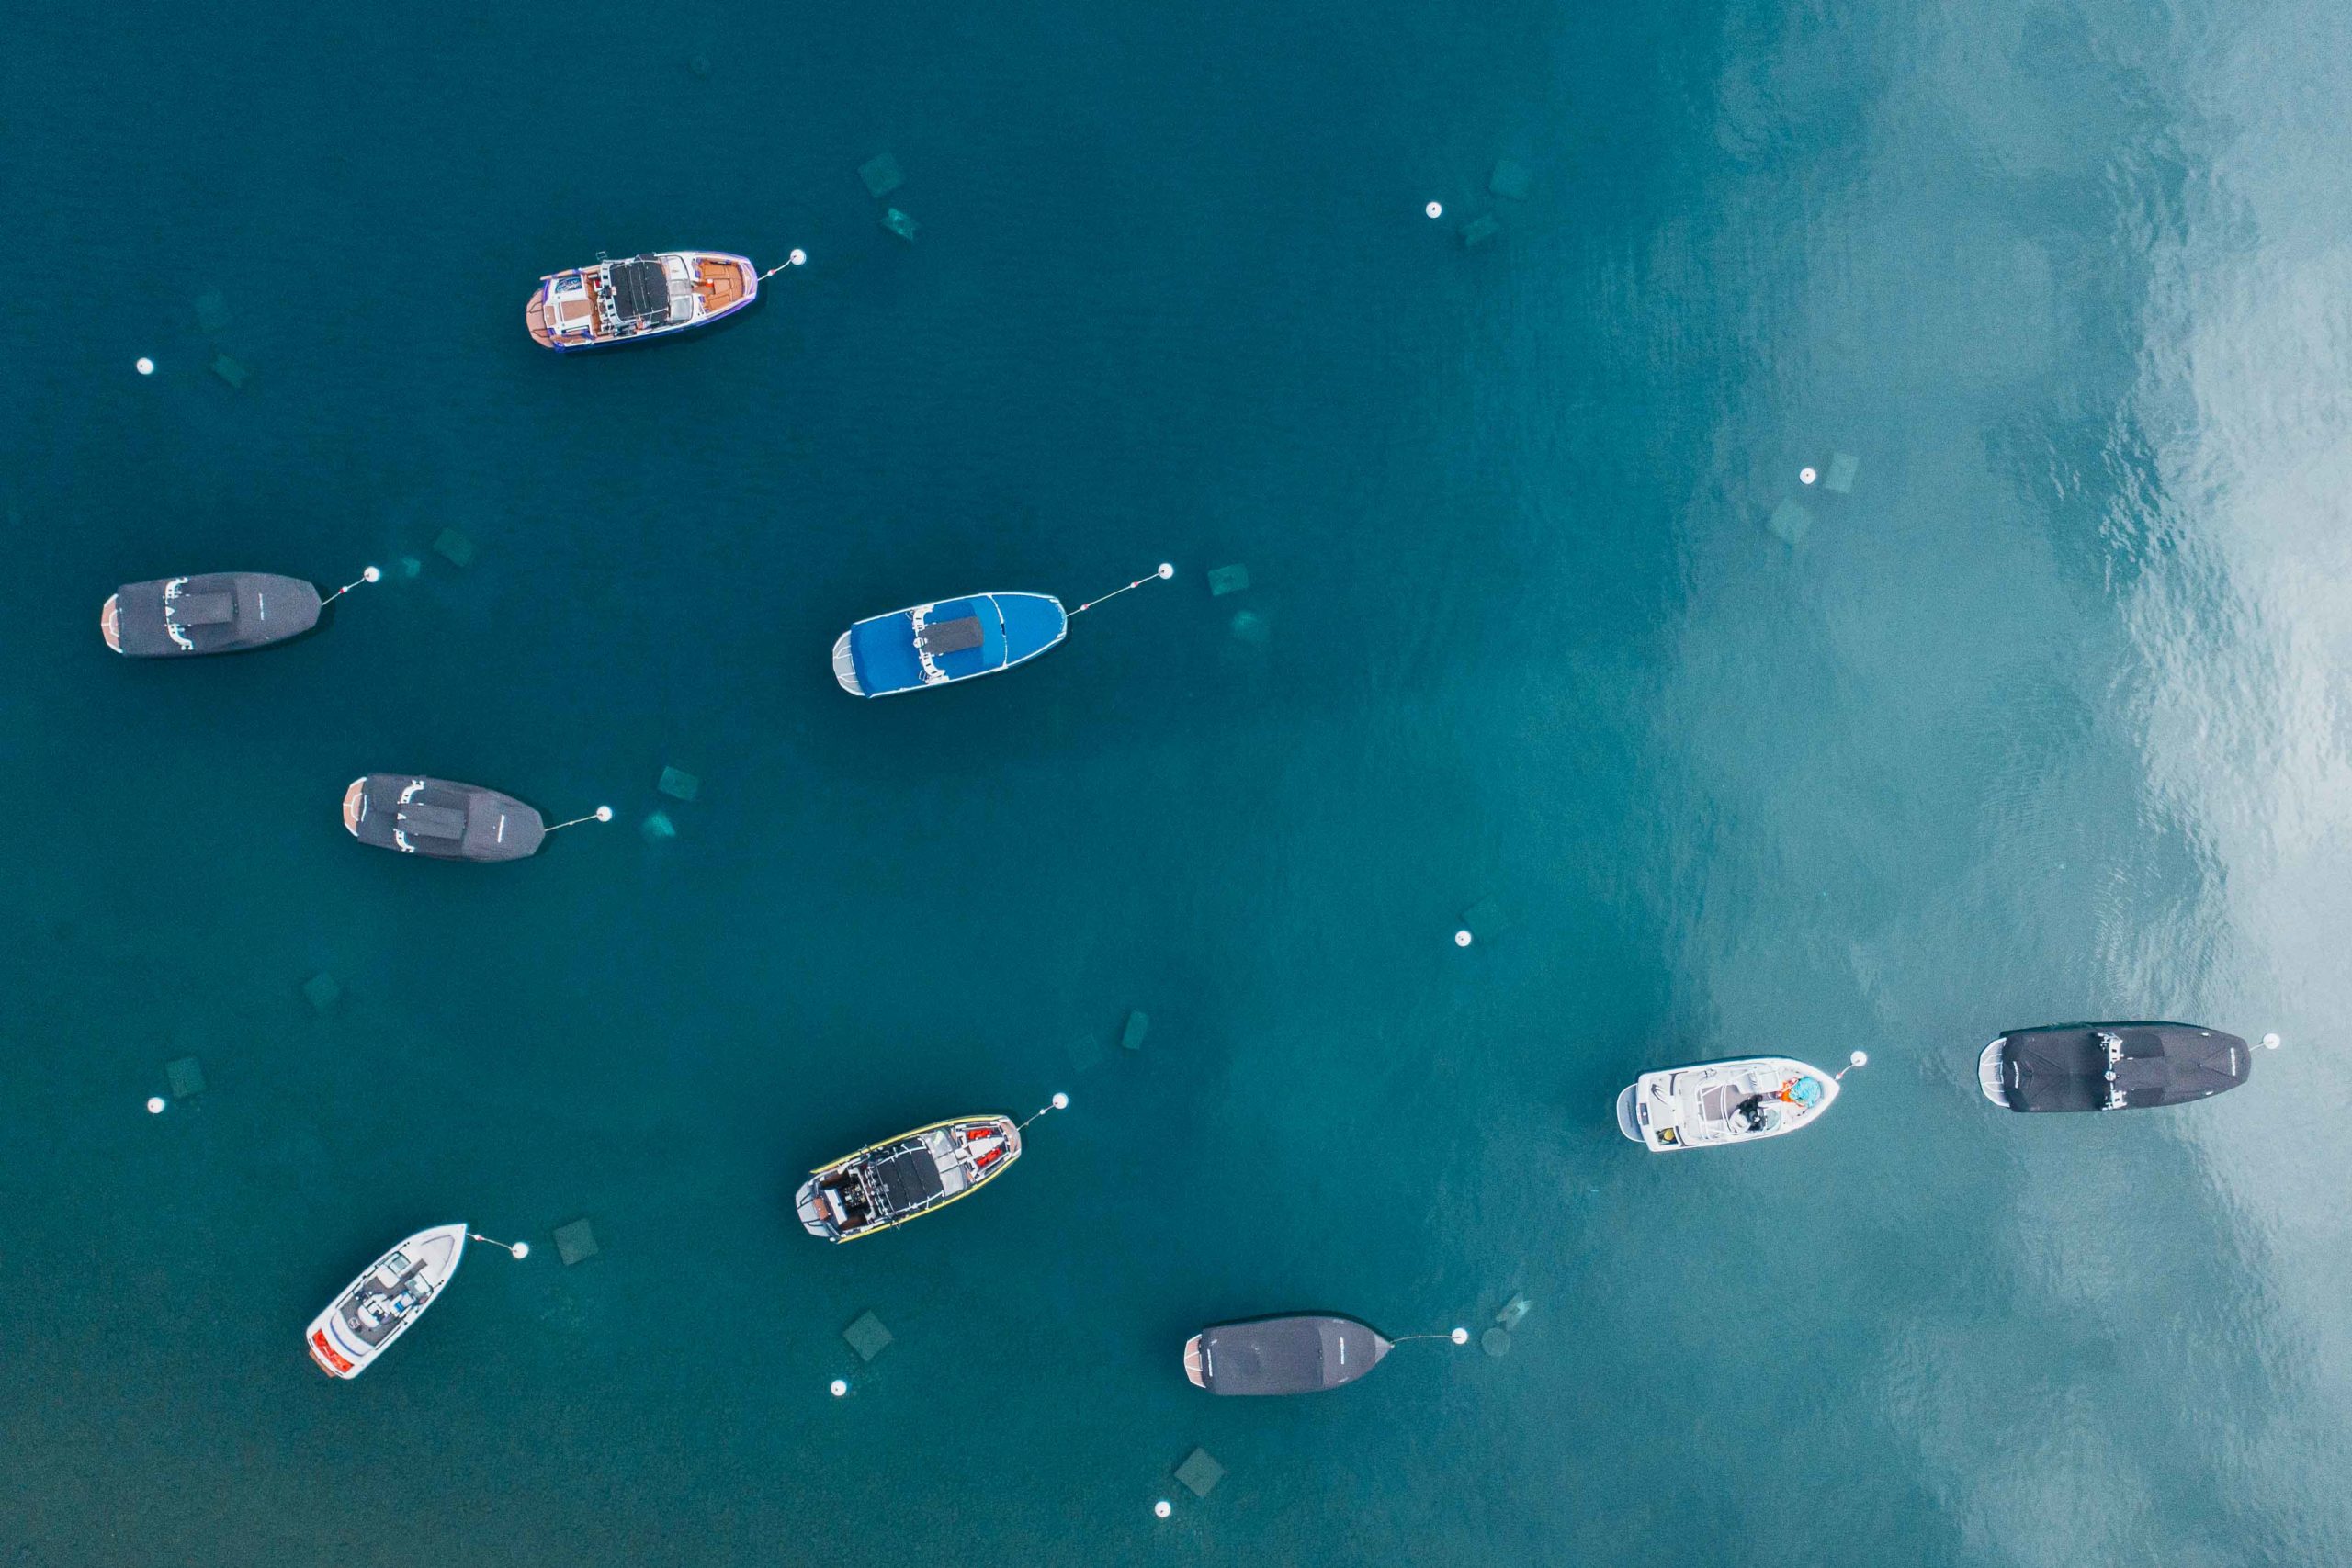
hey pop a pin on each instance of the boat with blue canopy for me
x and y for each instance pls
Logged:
(954, 640)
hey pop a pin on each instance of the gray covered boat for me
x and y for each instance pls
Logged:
(1283, 1355)
(432, 817)
(221, 612)
(2112, 1066)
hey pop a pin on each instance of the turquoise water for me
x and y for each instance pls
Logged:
(2042, 720)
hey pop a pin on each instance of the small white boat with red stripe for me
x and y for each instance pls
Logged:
(389, 1294)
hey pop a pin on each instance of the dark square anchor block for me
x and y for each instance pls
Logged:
(868, 1337)
(1200, 1472)
(575, 1242)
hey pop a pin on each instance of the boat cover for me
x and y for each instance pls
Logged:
(1032, 623)
(1288, 1355)
(2064, 1066)
(883, 648)
(977, 636)
(222, 612)
(907, 1178)
(446, 820)
(642, 291)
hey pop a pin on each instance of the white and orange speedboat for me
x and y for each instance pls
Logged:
(642, 296)
(377, 1308)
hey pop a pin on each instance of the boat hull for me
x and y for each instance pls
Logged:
(560, 313)
(226, 612)
(1271, 1356)
(2136, 1065)
(1712, 1104)
(440, 820)
(884, 1185)
(885, 655)
(338, 1346)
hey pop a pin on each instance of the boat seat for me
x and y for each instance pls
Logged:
(1717, 1102)
(204, 609)
(950, 636)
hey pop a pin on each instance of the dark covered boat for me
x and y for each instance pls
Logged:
(432, 817)
(2112, 1066)
(1283, 1355)
(221, 612)
(891, 1182)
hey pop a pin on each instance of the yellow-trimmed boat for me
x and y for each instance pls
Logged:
(893, 1181)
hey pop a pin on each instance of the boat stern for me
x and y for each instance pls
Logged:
(355, 805)
(1657, 1116)
(845, 665)
(1626, 1122)
(1195, 1367)
(535, 319)
(561, 314)
(1992, 1062)
(326, 1354)
(811, 1208)
(110, 621)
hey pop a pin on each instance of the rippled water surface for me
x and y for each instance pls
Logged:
(2041, 718)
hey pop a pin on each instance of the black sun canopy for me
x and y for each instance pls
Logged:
(640, 291)
(906, 1178)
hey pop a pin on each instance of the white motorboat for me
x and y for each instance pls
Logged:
(1715, 1104)
(388, 1296)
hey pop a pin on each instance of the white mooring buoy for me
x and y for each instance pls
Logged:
(1806, 476)
(521, 1249)
(838, 1387)
(1434, 210)
(1162, 1508)
(154, 1105)
(370, 574)
(1163, 571)
(1461, 937)
(144, 366)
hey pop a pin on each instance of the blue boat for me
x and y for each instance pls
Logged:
(954, 640)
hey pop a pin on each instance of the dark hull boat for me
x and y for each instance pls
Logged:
(888, 1183)
(222, 612)
(954, 640)
(432, 817)
(1283, 1355)
(2112, 1066)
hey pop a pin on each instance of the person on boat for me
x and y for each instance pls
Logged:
(1756, 1113)
(1804, 1093)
